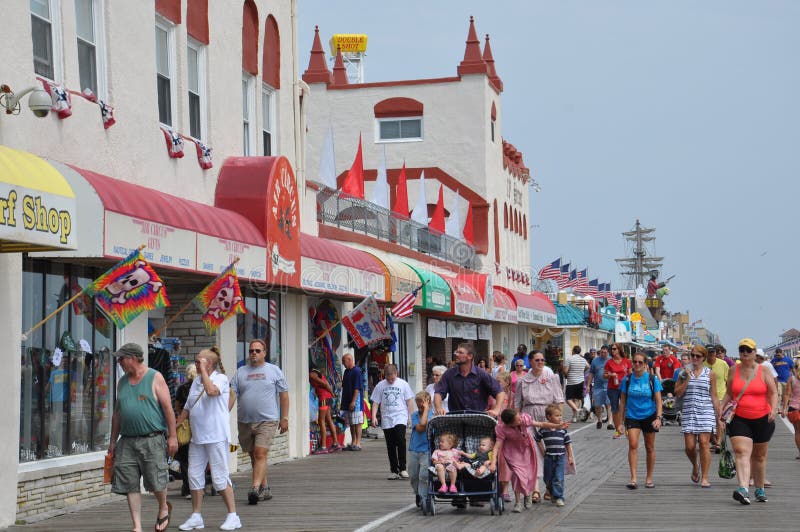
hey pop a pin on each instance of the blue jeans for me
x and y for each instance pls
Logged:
(554, 475)
(418, 463)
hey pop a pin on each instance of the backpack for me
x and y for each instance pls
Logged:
(652, 385)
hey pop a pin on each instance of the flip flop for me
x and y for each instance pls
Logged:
(162, 520)
(536, 497)
(631, 485)
(705, 485)
(649, 485)
(695, 478)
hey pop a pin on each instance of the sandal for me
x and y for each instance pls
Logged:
(547, 495)
(631, 485)
(650, 484)
(695, 477)
(536, 497)
(164, 521)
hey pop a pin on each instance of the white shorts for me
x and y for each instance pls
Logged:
(215, 454)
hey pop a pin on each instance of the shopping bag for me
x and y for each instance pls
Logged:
(727, 464)
(108, 469)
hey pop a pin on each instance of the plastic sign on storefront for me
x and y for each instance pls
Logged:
(348, 43)
(30, 217)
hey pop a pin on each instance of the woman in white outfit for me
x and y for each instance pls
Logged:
(207, 409)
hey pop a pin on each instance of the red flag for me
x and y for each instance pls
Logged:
(354, 182)
(469, 235)
(400, 207)
(437, 220)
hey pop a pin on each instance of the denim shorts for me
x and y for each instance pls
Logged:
(613, 398)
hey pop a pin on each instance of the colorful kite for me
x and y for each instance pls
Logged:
(220, 300)
(128, 289)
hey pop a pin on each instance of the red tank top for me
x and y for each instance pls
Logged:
(753, 403)
(322, 392)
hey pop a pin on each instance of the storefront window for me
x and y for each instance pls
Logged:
(67, 373)
(261, 322)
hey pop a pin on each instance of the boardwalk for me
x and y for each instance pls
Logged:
(349, 491)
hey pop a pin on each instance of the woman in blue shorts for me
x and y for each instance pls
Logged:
(640, 399)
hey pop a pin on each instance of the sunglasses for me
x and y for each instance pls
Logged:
(637, 362)
(745, 349)
(255, 350)
(697, 355)
(614, 349)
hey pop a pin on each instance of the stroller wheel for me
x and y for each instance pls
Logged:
(431, 506)
(492, 504)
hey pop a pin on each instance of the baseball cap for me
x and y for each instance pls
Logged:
(606, 347)
(130, 350)
(747, 342)
(760, 353)
(593, 350)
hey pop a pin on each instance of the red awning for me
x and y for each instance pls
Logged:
(334, 268)
(148, 204)
(535, 308)
(466, 301)
(505, 308)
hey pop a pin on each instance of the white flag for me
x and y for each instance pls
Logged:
(420, 213)
(380, 192)
(453, 225)
(327, 163)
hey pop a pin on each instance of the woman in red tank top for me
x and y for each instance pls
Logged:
(325, 395)
(752, 426)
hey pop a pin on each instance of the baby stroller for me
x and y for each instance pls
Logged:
(469, 427)
(670, 405)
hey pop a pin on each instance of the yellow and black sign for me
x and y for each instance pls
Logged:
(348, 43)
(37, 205)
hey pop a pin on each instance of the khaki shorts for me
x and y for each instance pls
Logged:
(259, 434)
(138, 457)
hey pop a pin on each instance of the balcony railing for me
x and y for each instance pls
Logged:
(361, 216)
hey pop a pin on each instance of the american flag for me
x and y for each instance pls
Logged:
(591, 290)
(563, 276)
(573, 279)
(273, 313)
(405, 307)
(551, 271)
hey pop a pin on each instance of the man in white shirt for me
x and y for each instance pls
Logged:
(574, 368)
(395, 399)
(761, 358)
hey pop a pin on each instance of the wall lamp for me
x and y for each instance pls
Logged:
(39, 101)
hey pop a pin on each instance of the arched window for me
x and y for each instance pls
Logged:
(525, 226)
(250, 38)
(170, 10)
(505, 216)
(398, 119)
(497, 233)
(197, 20)
(271, 66)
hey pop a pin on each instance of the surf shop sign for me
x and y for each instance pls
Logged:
(32, 220)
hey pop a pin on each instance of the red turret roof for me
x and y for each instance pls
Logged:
(473, 61)
(317, 71)
(489, 60)
(339, 70)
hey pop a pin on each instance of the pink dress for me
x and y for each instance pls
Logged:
(519, 453)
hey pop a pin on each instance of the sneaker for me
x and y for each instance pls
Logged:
(355, 447)
(599, 424)
(347, 447)
(617, 435)
(761, 495)
(742, 495)
(517, 507)
(403, 474)
(252, 496)
(610, 426)
(393, 476)
(232, 522)
(194, 521)
(264, 494)
(321, 450)
(574, 418)
(559, 502)
(418, 501)
(528, 501)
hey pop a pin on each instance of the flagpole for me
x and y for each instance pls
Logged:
(62, 307)
(184, 308)
(324, 334)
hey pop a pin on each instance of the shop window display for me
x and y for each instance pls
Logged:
(67, 371)
(262, 321)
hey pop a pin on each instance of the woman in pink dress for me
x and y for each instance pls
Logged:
(515, 443)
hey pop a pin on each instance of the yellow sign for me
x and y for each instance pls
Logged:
(348, 43)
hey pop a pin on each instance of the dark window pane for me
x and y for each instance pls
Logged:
(42, 47)
(87, 66)
(411, 129)
(164, 96)
(390, 130)
(194, 116)
(267, 143)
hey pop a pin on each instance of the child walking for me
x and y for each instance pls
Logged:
(556, 446)
(418, 458)
(447, 459)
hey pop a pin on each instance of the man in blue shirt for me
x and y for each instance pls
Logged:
(783, 365)
(468, 386)
(352, 385)
(597, 382)
(521, 354)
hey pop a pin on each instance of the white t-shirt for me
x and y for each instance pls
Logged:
(767, 364)
(577, 366)
(393, 402)
(209, 418)
(431, 389)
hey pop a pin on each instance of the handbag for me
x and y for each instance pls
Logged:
(729, 410)
(727, 464)
(183, 431)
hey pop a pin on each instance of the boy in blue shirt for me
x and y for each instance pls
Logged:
(418, 453)
(556, 446)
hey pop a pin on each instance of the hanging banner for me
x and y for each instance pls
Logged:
(437, 328)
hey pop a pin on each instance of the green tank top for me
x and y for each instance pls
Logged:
(139, 411)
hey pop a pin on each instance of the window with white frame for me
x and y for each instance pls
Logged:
(196, 64)
(248, 114)
(46, 37)
(89, 30)
(399, 129)
(165, 70)
(268, 120)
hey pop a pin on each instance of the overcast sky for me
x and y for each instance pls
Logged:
(683, 114)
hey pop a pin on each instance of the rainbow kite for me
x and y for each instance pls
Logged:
(220, 300)
(129, 288)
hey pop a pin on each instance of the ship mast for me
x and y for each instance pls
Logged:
(637, 268)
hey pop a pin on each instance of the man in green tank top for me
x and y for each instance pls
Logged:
(142, 415)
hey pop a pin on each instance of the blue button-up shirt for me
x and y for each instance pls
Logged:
(467, 393)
